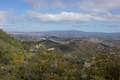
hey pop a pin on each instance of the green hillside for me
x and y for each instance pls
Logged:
(8, 43)
(11, 56)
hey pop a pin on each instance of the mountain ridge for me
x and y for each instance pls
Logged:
(66, 34)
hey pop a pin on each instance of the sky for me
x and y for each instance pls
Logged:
(49, 15)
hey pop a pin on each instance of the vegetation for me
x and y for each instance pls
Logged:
(41, 61)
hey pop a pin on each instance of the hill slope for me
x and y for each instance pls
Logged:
(8, 43)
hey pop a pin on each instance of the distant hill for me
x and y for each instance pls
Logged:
(64, 35)
(83, 47)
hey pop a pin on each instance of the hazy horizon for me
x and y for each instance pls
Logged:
(56, 31)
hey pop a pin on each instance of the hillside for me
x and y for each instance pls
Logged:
(83, 47)
(76, 59)
(9, 45)
(58, 59)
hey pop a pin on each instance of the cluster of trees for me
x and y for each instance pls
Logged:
(52, 66)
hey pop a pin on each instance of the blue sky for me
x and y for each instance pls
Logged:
(45, 15)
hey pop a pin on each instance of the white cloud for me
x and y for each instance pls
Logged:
(3, 16)
(64, 17)
(53, 3)
(95, 10)
(112, 18)
(95, 7)
(100, 5)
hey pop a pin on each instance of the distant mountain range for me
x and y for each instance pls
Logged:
(64, 35)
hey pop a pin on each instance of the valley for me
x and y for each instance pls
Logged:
(57, 58)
